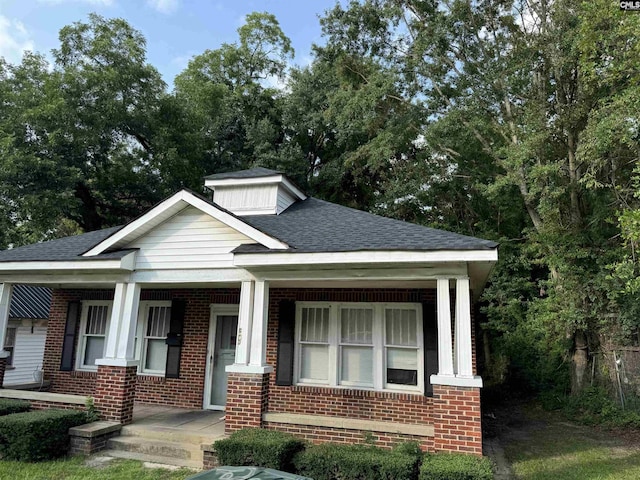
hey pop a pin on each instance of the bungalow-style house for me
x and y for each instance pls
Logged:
(289, 312)
(25, 336)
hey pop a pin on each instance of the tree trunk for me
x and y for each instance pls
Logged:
(579, 363)
(90, 219)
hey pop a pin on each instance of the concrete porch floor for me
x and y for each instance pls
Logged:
(205, 423)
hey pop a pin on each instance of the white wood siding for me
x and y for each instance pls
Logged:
(27, 355)
(247, 199)
(284, 200)
(190, 239)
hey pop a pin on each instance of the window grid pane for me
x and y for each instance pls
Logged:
(315, 325)
(158, 322)
(97, 320)
(356, 326)
(401, 327)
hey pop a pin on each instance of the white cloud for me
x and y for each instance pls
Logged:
(97, 3)
(14, 39)
(164, 6)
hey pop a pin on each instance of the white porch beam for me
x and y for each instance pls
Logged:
(445, 346)
(119, 349)
(5, 302)
(463, 347)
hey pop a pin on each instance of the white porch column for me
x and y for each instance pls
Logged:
(258, 355)
(463, 349)
(5, 302)
(245, 322)
(455, 365)
(119, 349)
(445, 345)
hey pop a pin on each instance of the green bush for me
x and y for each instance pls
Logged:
(38, 435)
(260, 448)
(8, 406)
(331, 461)
(452, 466)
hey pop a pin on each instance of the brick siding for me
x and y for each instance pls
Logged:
(457, 419)
(115, 392)
(246, 400)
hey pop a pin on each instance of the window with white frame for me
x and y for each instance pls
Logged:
(153, 326)
(363, 345)
(94, 325)
(10, 344)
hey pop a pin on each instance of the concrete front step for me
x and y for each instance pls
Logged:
(165, 449)
(144, 457)
(170, 434)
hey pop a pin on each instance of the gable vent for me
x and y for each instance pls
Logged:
(258, 191)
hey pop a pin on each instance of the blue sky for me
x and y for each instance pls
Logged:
(175, 29)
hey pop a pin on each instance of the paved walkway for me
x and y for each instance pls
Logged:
(206, 422)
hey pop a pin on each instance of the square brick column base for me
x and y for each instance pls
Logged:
(114, 393)
(457, 420)
(246, 400)
(3, 367)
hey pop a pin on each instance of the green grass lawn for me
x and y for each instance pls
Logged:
(74, 469)
(552, 449)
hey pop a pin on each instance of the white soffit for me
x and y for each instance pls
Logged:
(168, 209)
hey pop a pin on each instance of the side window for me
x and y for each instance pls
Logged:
(93, 333)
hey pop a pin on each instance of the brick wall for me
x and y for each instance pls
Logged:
(186, 391)
(342, 435)
(115, 392)
(246, 400)
(457, 419)
(338, 402)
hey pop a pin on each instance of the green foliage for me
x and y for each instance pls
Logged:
(258, 447)
(455, 467)
(37, 435)
(91, 411)
(594, 406)
(330, 461)
(8, 406)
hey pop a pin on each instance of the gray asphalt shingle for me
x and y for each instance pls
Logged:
(313, 225)
(251, 173)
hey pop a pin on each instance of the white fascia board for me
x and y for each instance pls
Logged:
(72, 265)
(363, 257)
(271, 179)
(234, 182)
(188, 199)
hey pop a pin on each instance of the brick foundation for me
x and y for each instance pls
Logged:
(246, 400)
(114, 393)
(457, 419)
(3, 368)
(92, 437)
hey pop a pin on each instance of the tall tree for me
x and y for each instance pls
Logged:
(509, 75)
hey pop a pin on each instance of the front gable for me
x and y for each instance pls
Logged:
(190, 239)
(184, 217)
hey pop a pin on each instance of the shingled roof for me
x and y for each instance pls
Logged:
(30, 302)
(251, 173)
(62, 249)
(311, 225)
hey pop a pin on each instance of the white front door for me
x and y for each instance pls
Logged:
(223, 331)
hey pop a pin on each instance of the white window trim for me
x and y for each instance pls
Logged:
(379, 346)
(14, 326)
(141, 343)
(82, 340)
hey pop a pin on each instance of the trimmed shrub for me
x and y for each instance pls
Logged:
(454, 466)
(8, 406)
(331, 461)
(260, 448)
(38, 435)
